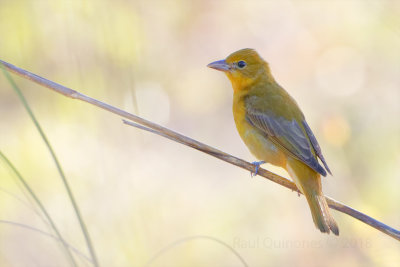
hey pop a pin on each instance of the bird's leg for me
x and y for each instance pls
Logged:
(298, 192)
(257, 164)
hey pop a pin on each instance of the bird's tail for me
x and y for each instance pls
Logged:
(309, 183)
(322, 218)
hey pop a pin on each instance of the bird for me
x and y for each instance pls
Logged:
(273, 127)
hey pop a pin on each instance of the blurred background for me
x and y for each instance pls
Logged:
(139, 192)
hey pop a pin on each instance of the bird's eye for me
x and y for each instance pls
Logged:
(241, 64)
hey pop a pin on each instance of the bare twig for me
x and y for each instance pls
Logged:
(155, 128)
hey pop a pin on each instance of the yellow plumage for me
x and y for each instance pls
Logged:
(274, 129)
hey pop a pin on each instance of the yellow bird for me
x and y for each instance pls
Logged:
(274, 129)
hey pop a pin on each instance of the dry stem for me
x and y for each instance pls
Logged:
(165, 132)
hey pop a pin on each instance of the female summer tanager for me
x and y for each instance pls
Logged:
(274, 129)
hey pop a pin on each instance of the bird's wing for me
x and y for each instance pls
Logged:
(315, 145)
(286, 133)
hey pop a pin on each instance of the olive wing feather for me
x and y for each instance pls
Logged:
(288, 135)
(315, 145)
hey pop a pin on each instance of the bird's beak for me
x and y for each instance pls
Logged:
(219, 65)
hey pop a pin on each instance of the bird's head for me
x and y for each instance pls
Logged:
(243, 67)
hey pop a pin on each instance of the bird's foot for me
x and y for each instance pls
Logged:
(257, 165)
(297, 191)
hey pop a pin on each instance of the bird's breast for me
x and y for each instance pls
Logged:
(256, 141)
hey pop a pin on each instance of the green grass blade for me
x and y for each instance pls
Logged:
(191, 238)
(39, 203)
(36, 230)
(58, 165)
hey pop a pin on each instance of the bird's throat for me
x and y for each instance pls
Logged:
(240, 83)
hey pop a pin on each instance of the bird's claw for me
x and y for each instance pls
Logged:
(297, 191)
(257, 164)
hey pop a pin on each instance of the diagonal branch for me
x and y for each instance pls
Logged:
(165, 132)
